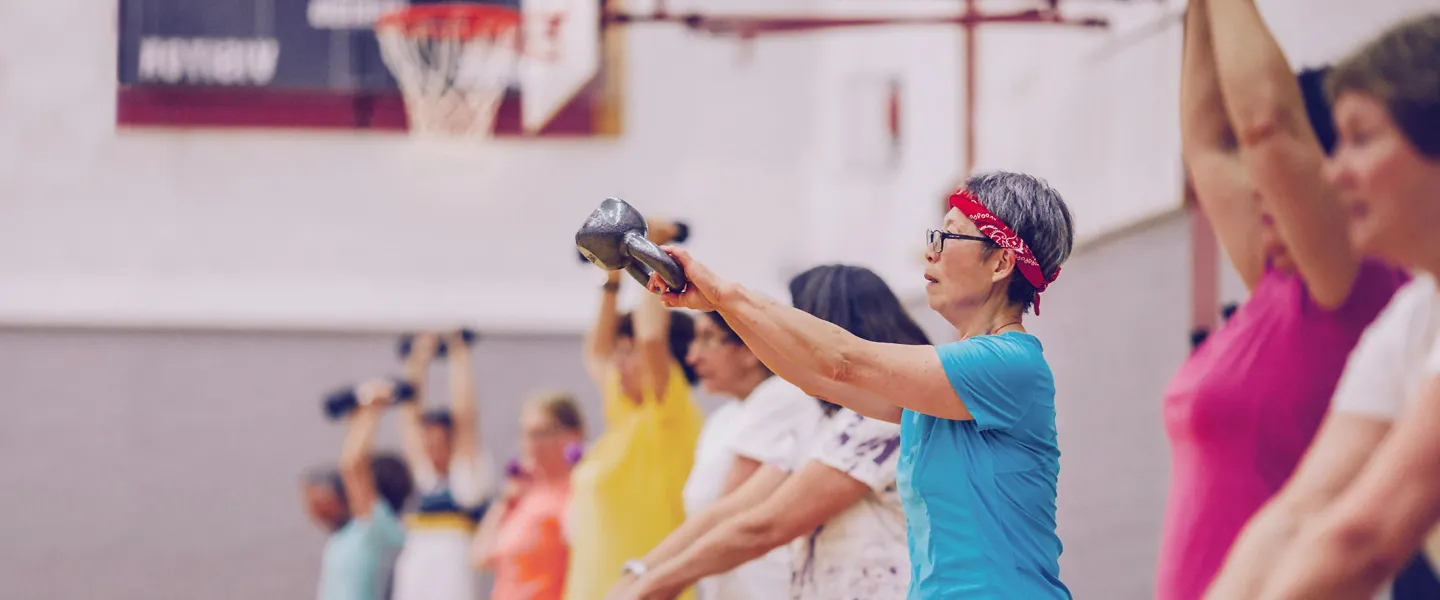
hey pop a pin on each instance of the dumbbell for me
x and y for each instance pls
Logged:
(573, 454)
(682, 233)
(408, 340)
(343, 401)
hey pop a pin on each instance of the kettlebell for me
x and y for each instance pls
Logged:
(613, 238)
(343, 401)
(682, 233)
(407, 341)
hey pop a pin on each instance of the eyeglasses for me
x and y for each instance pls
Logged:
(936, 239)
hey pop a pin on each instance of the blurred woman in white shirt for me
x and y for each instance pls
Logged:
(762, 420)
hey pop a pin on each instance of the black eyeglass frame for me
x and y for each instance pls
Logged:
(936, 239)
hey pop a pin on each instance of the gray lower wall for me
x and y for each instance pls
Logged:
(162, 465)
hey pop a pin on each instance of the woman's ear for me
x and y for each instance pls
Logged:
(1004, 264)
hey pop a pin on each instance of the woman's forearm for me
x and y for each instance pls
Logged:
(731, 544)
(1284, 160)
(1254, 554)
(813, 347)
(685, 535)
(850, 397)
(484, 542)
(355, 450)
(412, 435)
(1204, 126)
(1261, 95)
(463, 399)
(600, 341)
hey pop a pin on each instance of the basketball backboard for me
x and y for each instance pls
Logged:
(317, 64)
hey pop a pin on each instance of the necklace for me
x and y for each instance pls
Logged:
(992, 331)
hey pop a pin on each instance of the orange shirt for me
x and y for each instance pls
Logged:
(530, 554)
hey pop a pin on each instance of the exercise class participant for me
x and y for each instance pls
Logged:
(453, 474)
(762, 420)
(1245, 405)
(979, 461)
(835, 496)
(522, 537)
(357, 503)
(1358, 507)
(626, 494)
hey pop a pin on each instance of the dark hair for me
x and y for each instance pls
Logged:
(720, 322)
(1036, 213)
(731, 337)
(1317, 106)
(857, 300)
(1401, 69)
(439, 417)
(392, 480)
(563, 409)
(682, 332)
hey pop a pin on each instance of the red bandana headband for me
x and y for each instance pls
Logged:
(997, 230)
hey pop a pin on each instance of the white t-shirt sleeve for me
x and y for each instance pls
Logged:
(865, 449)
(774, 422)
(472, 478)
(1373, 383)
(1432, 364)
(424, 475)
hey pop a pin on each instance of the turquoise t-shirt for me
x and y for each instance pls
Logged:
(979, 495)
(359, 556)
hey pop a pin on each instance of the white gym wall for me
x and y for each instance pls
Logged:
(121, 233)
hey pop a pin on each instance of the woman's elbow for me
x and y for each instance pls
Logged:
(840, 366)
(352, 464)
(1362, 543)
(761, 535)
(480, 561)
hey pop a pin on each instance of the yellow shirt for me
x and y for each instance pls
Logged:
(625, 493)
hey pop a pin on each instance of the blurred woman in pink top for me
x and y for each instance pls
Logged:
(522, 536)
(1246, 404)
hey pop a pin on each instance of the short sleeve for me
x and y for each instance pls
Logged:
(1373, 382)
(1432, 364)
(425, 477)
(995, 375)
(775, 421)
(383, 528)
(472, 478)
(863, 448)
(1375, 284)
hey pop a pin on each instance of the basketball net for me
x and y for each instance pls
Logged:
(453, 63)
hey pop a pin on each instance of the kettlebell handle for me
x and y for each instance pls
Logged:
(649, 258)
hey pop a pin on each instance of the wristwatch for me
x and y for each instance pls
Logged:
(633, 567)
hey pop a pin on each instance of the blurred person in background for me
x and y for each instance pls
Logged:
(522, 536)
(1246, 404)
(762, 420)
(832, 500)
(626, 493)
(453, 475)
(1368, 493)
(357, 503)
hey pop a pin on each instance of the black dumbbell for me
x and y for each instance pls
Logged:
(407, 340)
(682, 233)
(343, 401)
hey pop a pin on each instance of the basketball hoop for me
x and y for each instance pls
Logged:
(453, 63)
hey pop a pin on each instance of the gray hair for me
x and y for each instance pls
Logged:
(1036, 213)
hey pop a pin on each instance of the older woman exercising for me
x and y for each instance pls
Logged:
(979, 461)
